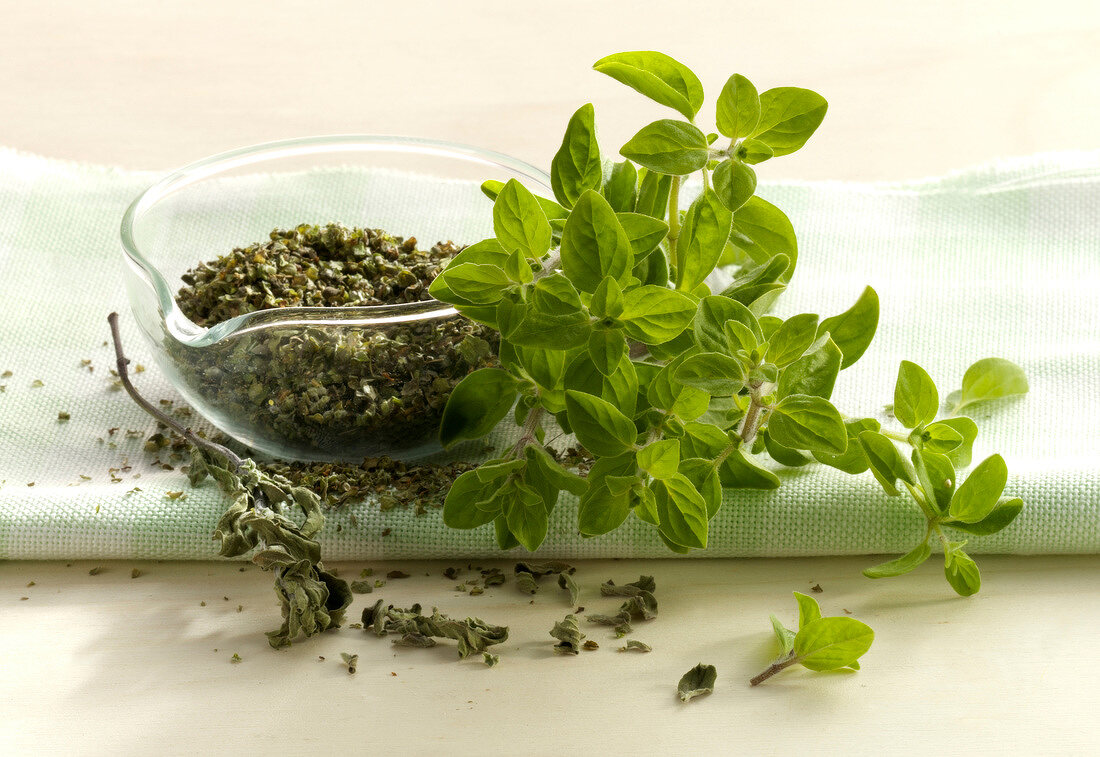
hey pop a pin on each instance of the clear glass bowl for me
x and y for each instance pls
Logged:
(245, 375)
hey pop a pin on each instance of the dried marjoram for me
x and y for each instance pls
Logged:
(258, 522)
(328, 388)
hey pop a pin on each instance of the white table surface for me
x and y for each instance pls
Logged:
(107, 664)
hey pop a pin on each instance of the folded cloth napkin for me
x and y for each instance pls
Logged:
(1001, 260)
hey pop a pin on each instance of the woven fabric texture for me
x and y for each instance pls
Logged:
(1002, 260)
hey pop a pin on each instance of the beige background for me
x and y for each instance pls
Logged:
(107, 664)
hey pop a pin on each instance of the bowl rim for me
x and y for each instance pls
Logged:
(183, 329)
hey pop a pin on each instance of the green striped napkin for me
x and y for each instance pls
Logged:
(1002, 260)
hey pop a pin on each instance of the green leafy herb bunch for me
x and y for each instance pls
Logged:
(609, 327)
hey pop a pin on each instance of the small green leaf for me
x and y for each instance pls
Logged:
(792, 339)
(528, 325)
(761, 231)
(556, 294)
(660, 459)
(666, 393)
(669, 147)
(740, 337)
(788, 117)
(942, 478)
(492, 470)
(976, 497)
(854, 329)
(738, 471)
(594, 244)
(801, 421)
(606, 347)
(682, 511)
(475, 282)
(901, 565)
(621, 187)
(607, 300)
(577, 167)
(916, 400)
(753, 151)
(704, 478)
(990, 379)
(999, 518)
(658, 77)
(505, 539)
(460, 508)
(886, 462)
(808, 609)
(644, 232)
(546, 367)
(653, 191)
(738, 109)
(711, 315)
(599, 425)
(832, 643)
(476, 405)
(553, 471)
(705, 230)
(940, 438)
(653, 314)
(712, 372)
(525, 515)
(854, 460)
(814, 373)
(600, 512)
(968, 429)
(961, 571)
(734, 183)
(519, 223)
(784, 636)
(518, 268)
(791, 458)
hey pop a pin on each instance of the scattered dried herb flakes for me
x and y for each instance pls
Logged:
(568, 634)
(63, 416)
(362, 587)
(635, 645)
(6, 374)
(397, 574)
(235, 658)
(416, 629)
(591, 644)
(816, 589)
(640, 603)
(697, 682)
(527, 575)
(490, 659)
(351, 660)
(30, 584)
(175, 495)
(366, 572)
(476, 591)
(135, 573)
(95, 571)
(37, 384)
(326, 388)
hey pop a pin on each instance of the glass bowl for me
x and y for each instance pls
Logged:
(298, 383)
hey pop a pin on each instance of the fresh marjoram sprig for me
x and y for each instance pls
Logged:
(608, 326)
(820, 643)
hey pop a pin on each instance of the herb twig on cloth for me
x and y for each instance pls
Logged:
(257, 521)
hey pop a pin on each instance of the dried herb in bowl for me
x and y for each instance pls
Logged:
(329, 388)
